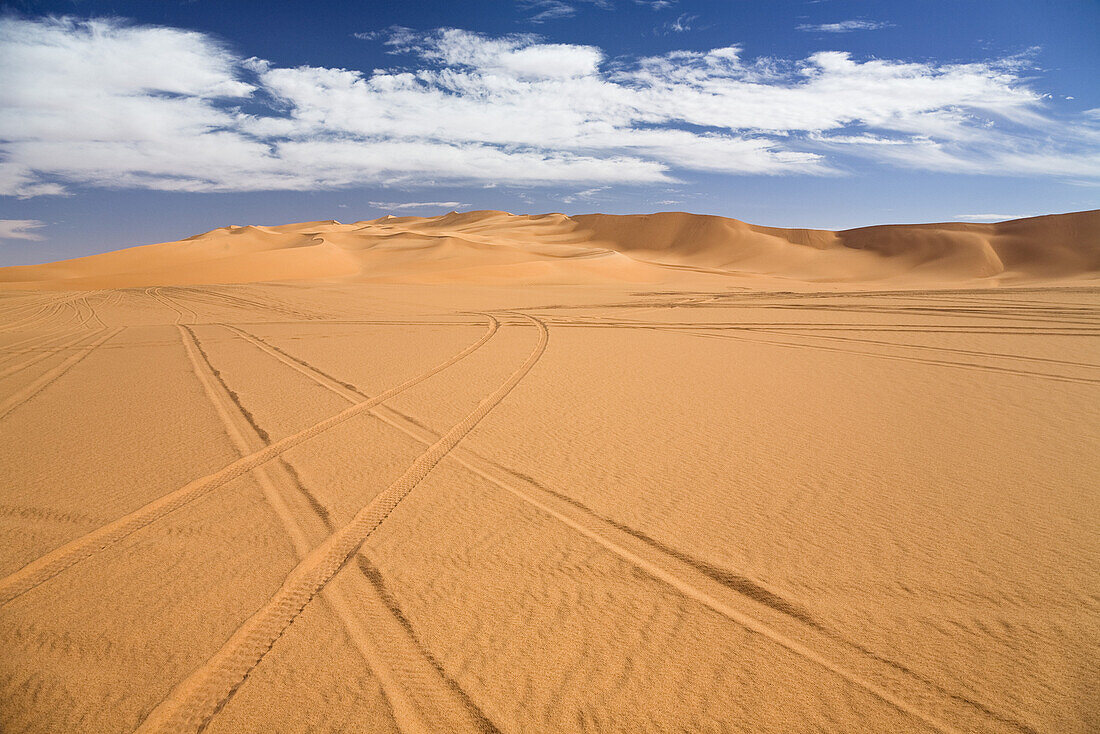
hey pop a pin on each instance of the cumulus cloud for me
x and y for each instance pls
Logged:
(103, 103)
(845, 26)
(520, 56)
(20, 229)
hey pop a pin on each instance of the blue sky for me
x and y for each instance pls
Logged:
(133, 122)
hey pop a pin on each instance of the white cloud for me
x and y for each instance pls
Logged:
(518, 56)
(555, 9)
(586, 195)
(845, 26)
(102, 102)
(551, 10)
(682, 24)
(990, 217)
(107, 104)
(20, 229)
(454, 205)
(19, 180)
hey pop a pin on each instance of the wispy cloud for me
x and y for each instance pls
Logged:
(545, 10)
(656, 4)
(586, 195)
(845, 26)
(20, 229)
(418, 205)
(106, 104)
(990, 217)
(682, 23)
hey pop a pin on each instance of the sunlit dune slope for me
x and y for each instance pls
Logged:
(497, 247)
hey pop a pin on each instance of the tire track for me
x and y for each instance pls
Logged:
(182, 306)
(597, 322)
(247, 305)
(48, 351)
(45, 514)
(279, 303)
(205, 297)
(900, 358)
(989, 312)
(75, 551)
(21, 396)
(421, 697)
(36, 312)
(192, 703)
(52, 331)
(94, 313)
(926, 347)
(751, 605)
(365, 322)
(17, 302)
(41, 340)
(172, 303)
(700, 332)
(798, 329)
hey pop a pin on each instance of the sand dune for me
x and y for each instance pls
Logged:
(497, 247)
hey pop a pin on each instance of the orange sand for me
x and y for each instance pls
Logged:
(528, 474)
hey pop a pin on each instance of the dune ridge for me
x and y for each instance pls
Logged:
(497, 247)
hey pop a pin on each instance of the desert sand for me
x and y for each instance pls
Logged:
(483, 472)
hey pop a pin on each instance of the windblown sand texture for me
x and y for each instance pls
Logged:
(485, 473)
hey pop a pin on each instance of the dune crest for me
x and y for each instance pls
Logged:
(498, 247)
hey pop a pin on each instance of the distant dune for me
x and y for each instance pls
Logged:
(497, 247)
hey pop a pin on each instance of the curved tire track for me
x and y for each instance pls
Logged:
(58, 330)
(158, 295)
(36, 312)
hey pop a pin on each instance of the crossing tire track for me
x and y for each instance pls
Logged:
(422, 698)
(87, 545)
(192, 703)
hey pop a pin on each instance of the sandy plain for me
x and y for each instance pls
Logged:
(696, 503)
